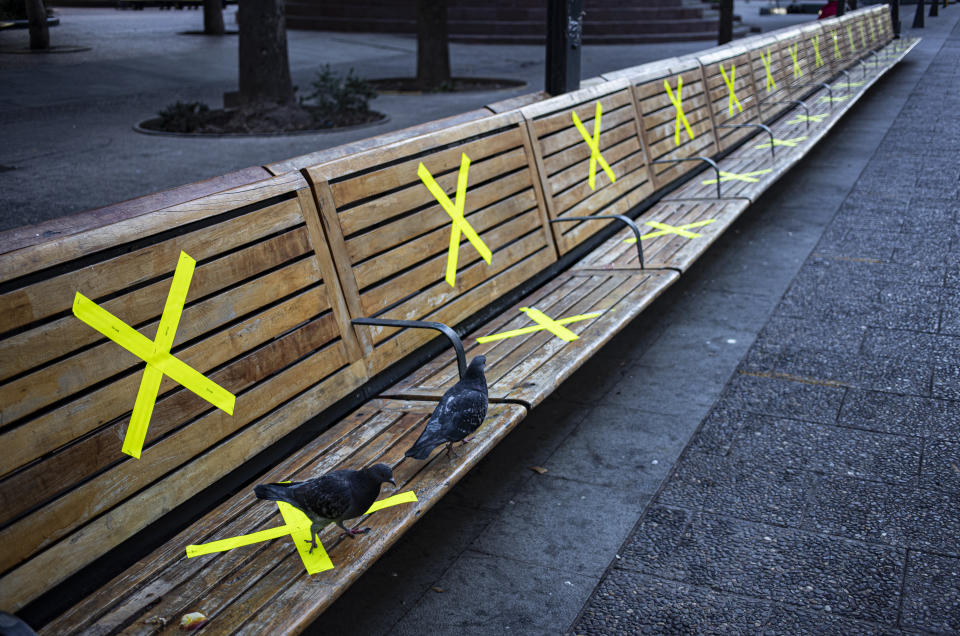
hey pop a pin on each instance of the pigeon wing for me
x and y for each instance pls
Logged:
(463, 412)
(327, 497)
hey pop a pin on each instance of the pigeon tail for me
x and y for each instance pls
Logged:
(273, 492)
(424, 446)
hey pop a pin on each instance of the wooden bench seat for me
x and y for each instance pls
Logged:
(264, 588)
(526, 368)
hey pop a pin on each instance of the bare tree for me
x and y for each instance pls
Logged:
(37, 17)
(264, 65)
(213, 17)
(433, 46)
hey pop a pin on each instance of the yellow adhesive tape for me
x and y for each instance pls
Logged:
(544, 322)
(730, 81)
(849, 84)
(664, 229)
(794, 50)
(853, 46)
(840, 98)
(677, 102)
(836, 45)
(863, 35)
(297, 526)
(455, 210)
(815, 41)
(594, 145)
(781, 142)
(749, 177)
(767, 59)
(802, 119)
(156, 354)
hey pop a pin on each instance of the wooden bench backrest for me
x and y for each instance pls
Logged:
(799, 43)
(264, 318)
(390, 237)
(563, 157)
(664, 136)
(778, 59)
(735, 63)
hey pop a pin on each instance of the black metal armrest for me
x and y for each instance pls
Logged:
(421, 324)
(713, 163)
(619, 217)
(761, 126)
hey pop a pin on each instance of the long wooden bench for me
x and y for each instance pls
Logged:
(285, 264)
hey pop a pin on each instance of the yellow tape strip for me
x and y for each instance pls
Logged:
(781, 142)
(815, 41)
(849, 84)
(156, 354)
(836, 45)
(767, 59)
(749, 177)
(455, 210)
(730, 82)
(794, 50)
(594, 144)
(678, 104)
(297, 525)
(802, 119)
(665, 229)
(853, 46)
(543, 322)
(863, 35)
(841, 98)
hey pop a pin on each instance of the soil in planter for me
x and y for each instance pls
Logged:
(197, 118)
(455, 85)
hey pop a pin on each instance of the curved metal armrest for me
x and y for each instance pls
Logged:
(762, 127)
(619, 217)
(822, 85)
(421, 324)
(713, 163)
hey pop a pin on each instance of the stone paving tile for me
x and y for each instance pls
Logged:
(911, 345)
(904, 415)
(931, 598)
(783, 398)
(941, 464)
(719, 428)
(731, 485)
(813, 572)
(798, 333)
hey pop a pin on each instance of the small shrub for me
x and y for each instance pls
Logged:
(183, 117)
(338, 93)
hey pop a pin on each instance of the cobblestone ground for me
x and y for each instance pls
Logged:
(822, 492)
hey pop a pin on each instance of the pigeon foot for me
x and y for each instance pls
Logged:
(352, 532)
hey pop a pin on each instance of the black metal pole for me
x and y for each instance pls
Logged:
(895, 17)
(726, 22)
(841, 7)
(918, 16)
(564, 33)
(934, 8)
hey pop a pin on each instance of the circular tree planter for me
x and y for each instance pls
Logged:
(409, 85)
(218, 127)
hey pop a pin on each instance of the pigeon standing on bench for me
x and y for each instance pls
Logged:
(460, 412)
(332, 498)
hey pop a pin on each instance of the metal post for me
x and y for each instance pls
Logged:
(895, 17)
(918, 16)
(564, 33)
(423, 324)
(841, 7)
(934, 8)
(725, 33)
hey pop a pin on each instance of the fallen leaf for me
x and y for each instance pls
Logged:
(439, 590)
(538, 469)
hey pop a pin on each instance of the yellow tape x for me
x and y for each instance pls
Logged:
(802, 119)
(781, 142)
(664, 229)
(730, 81)
(749, 177)
(794, 49)
(849, 84)
(678, 104)
(836, 45)
(767, 59)
(840, 98)
(815, 41)
(594, 144)
(297, 525)
(544, 322)
(455, 210)
(156, 354)
(853, 46)
(863, 35)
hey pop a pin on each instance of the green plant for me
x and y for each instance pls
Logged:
(183, 117)
(340, 93)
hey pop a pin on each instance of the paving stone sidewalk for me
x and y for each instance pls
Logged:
(822, 492)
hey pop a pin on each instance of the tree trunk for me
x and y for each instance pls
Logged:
(264, 66)
(39, 33)
(213, 17)
(433, 46)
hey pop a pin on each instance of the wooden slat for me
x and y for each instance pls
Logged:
(529, 367)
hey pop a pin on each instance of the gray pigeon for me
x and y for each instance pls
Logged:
(332, 498)
(460, 412)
